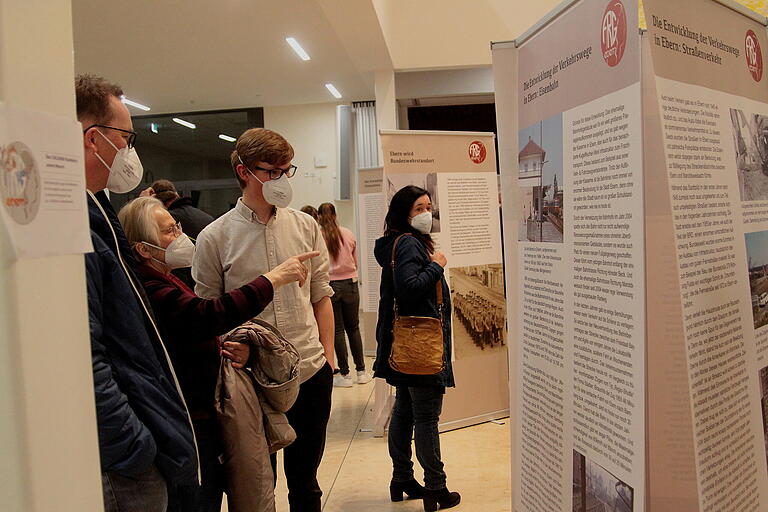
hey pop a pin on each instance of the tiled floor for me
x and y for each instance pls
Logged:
(356, 468)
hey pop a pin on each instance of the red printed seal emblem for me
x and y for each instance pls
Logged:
(754, 55)
(477, 151)
(613, 33)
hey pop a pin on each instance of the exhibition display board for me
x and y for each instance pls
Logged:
(635, 198)
(458, 169)
(370, 226)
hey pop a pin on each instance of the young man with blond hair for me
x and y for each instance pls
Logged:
(252, 239)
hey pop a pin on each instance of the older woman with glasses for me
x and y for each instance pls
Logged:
(190, 326)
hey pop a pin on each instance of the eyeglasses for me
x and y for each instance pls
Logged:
(131, 135)
(277, 172)
(173, 230)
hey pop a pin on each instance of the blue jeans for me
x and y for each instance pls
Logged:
(417, 410)
(144, 493)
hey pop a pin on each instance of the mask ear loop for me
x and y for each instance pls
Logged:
(155, 247)
(97, 153)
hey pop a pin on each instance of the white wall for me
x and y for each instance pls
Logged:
(50, 459)
(428, 34)
(311, 130)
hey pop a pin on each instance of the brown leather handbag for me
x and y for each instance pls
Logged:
(417, 341)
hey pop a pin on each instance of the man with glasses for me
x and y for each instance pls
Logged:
(252, 239)
(146, 441)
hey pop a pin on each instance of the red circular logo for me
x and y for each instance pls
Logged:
(613, 33)
(477, 151)
(754, 55)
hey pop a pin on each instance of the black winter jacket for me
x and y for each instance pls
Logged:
(413, 280)
(139, 410)
(192, 219)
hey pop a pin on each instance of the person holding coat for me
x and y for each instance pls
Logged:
(190, 325)
(419, 398)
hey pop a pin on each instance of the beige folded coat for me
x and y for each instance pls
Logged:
(250, 404)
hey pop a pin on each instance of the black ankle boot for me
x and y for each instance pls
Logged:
(412, 488)
(442, 497)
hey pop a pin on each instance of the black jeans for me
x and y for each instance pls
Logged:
(417, 409)
(309, 418)
(346, 306)
(207, 496)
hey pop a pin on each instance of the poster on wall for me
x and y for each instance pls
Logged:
(569, 114)
(370, 218)
(43, 183)
(711, 101)
(458, 170)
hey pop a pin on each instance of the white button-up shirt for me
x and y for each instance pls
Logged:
(237, 247)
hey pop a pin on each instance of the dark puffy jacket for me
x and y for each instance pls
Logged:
(140, 413)
(414, 280)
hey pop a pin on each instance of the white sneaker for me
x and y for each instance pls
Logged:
(363, 378)
(342, 381)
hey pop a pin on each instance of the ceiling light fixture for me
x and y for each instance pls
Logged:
(227, 138)
(154, 127)
(184, 123)
(133, 103)
(297, 48)
(333, 90)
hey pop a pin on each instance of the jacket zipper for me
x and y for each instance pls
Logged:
(157, 331)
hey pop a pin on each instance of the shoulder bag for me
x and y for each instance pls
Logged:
(417, 341)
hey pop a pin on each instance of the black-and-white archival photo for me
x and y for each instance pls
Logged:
(479, 310)
(596, 490)
(750, 140)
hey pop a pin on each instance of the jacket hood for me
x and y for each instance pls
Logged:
(383, 250)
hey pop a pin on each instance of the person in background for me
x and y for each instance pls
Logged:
(419, 398)
(256, 236)
(310, 210)
(146, 441)
(192, 219)
(342, 248)
(190, 325)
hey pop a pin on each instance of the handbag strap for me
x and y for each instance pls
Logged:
(438, 285)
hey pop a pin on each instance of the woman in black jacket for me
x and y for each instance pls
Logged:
(419, 399)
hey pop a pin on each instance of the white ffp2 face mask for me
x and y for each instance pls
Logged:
(422, 222)
(126, 170)
(276, 192)
(179, 253)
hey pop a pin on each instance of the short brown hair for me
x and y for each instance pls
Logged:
(92, 96)
(165, 190)
(260, 145)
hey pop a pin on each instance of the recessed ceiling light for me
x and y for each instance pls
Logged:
(297, 48)
(333, 90)
(184, 123)
(133, 103)
(227, 138)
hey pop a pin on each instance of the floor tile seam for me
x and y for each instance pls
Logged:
(349, 445)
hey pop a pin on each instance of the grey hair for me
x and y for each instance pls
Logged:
(138, 220)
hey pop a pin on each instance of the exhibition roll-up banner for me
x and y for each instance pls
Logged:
(458, 169)
(370, 218)
(573, 200)
(710, 105)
